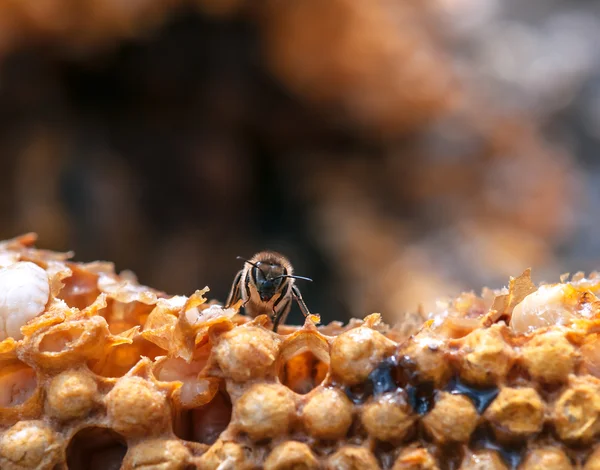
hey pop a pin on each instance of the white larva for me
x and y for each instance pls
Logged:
(547, 306)
(24, 293)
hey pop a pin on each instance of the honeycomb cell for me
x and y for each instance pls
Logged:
(427, 357)
(195, 389)
(265, 411)
(482, 460)
(157, 454)
(546, 459)
(303, 372)
(485, 358)
(136, 408)
(327, 414)
(355, 353)
(96, 448)
(388, 417)
(171, 369)
(18, 383)
(69, 343)
(71, 394)
(415, 458)
(516, 412)
(207, 422)
(246, 353)
(304, 361)
(453, 418)
(549, 348)
(352, 458)
(117, 361)
(30, 445)
(576, 413)
(126, 313)
(291, 455)
(224, 455)
(80, 289)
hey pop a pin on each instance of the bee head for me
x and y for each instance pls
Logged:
(268, 279)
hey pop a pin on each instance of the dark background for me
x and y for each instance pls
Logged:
(397, 153)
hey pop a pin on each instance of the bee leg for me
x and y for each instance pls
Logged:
(235, 292)
(298, 297)
(279, 317)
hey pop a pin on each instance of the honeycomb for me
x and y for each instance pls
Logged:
(100, 372)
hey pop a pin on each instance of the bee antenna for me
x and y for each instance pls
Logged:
(294, 277)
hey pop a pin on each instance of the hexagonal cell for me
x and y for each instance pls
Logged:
(18, 382)
(158, 454)
(171, 369)
(123, 316)
(303, 372)
(195, 390)
(304, 362)
(30, 444)
(71, 394)
(120, 359)
(67, 343)
(81, 289)
(205, 423)
(59, 340)
(96, 448)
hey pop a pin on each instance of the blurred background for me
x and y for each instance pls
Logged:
(397, 152)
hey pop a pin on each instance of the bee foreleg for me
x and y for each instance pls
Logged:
(281, 314)
(235, 292)
(298, 297)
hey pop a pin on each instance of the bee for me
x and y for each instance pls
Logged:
(266, 285)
